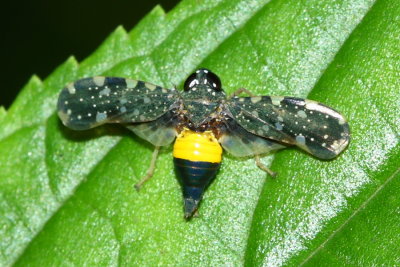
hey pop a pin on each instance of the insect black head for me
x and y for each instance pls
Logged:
(203, 77)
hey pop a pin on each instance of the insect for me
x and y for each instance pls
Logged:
(201, 119)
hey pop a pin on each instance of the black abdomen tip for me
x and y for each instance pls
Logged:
(194, 176)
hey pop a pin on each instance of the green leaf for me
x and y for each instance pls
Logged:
(67, 198)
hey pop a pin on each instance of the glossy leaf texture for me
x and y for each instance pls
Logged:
(67, 198)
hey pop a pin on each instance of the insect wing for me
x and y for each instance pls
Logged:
(241, 143)
(90, 102)
(160, 132)
(312, 126)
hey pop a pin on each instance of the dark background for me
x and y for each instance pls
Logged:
(37, 36)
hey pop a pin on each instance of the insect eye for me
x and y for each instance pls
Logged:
(203, 77)
(190, 82)
(213, 80)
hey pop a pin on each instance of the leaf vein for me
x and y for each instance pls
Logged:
(347, 221)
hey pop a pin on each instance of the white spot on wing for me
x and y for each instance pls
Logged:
(276, 100)
(301, 114)
(300, 140)
(105, 91)
(63, 116)
(278, 126)
(71, 88)
(101, 116)
(150, 86)
(255, 99)
(313, 105)
(339, 145)
(130, 83)
(342, 121)
(99, 80)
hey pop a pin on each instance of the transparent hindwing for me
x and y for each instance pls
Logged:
(160, 132)
(241, 143)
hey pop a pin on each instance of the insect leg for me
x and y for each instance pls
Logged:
(263, 167)
(239, 91)
(150, 170)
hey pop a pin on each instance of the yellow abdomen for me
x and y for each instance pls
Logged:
(197, 146)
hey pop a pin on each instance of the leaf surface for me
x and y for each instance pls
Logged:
(67, 198)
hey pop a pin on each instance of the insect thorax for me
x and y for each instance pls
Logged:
(201, 105)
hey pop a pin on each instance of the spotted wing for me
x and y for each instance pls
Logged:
(241, 143)
(90, 102)
(312, 126)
